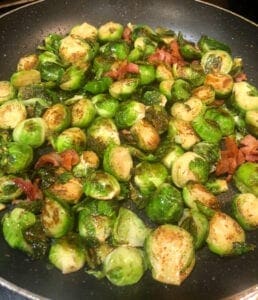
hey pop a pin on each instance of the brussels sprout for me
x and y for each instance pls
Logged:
(94, 229)
(83, 112)
(66, 189)
(251, 120)
(182, 133)
(180, 90)
(209, 151)
(244, 96)
(18, 158)
(8, 189)
(193, 192)
(75, 51)
(31, 132)
(245, 210)
(141, 31)
(170, 252)
(147, 74)
(14, 223)
(123, 88)
(154, 97)
(117, 161)
(89, 161)
(71, 138)
(27, 62)
(193, 76)
(26, 77)
(214, 61)
(101, 133)
(165, 88)
(7, 91)
(223, 118)
(216, 186)
(98, 86)
(197, 225)
(163, 73)
(105, 105)
(101, 185)
(118, 50)
(237, 68)
(129, 113)
(56, 218)
(129, 229)
(145, 45)
(101, 65)
(207, 43)
(226, 236)
(149, 176)
(145, 135)
(57, 118)
(110, 32)
(124, 266)
(12, 112)
(188, 110)
(188, 49)
(135, 55)
(246, 178)
(207, 129)
(222, 84)
(68, 254)
(48, 57)
(166, 35)
(51, 72)
(72, 79)
(158, 117)
(84, 31)
(189, 167)
(206, 93)
(166, 205)
(168, 152)
(52, 42)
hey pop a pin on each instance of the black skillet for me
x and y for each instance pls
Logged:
(20, 33)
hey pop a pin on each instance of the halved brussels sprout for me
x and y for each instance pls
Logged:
(216, 61)
(180, 90)
(251, 120)
(217, 186)
(170, 252)
(27, 62)
(165, 205)
(105, 105)
(98, 86)
(84, 31)
(68, 254)
(147, 74)
(117, 161)
(124, 265)
(129, 113)
(165, 87)
(57, 117)
(14, 223)
(70, 138)
(222, 84)
(158, 117)
(129, 229)
(89, 161)
(118, 50)
(245, 210)
(101, 185)
(246, 178)
(110, 32)
(12, 112)
(123, 88)
(154, 97)
(209, 151)
(189, 167)
(26, 77)
(7, 91)
(56, 218)
(148, 176)
(146, 136)
(83, 112)
(226, 236)
(31, 132)
(8, 189)
(206, 93)
(72, 79)
(207, 43)
(192, 75)
(163, 73)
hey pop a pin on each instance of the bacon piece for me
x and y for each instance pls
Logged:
(123, 68)
(51, 158)
(249, 148)
(240, 77)
(176, 55)
(31, 190)
(69, 158)
(127, 34)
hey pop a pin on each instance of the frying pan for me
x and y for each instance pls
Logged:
(20, 32)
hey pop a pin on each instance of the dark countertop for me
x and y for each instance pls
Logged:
(246, 8)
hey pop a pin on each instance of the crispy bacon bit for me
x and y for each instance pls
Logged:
(127, 34)
(123, 68)
(240, 77)
(167, 56)
(69, 158)
(31, 190)
(51, 158)
(233, 156)
(249, 148)
(217, 102)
